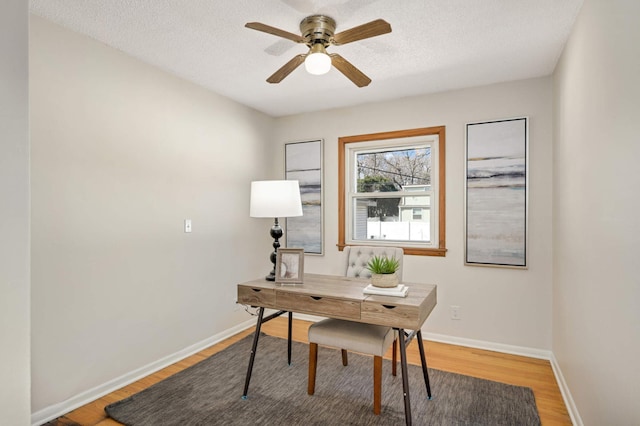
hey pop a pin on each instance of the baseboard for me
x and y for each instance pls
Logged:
(566, 394)
(54, 411)
(305, 317)
(479, 344)
(489, 346)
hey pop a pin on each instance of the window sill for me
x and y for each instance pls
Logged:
(414, 251)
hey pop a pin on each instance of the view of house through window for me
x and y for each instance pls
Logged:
(392, 187)
(392, 190)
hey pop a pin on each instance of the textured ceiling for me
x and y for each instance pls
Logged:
(435, 45)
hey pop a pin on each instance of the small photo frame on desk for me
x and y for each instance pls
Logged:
(289, 266)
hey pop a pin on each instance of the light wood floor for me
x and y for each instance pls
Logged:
(516, 370)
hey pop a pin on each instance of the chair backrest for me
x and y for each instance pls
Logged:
(357, 257)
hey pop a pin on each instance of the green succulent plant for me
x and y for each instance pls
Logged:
(383, 265)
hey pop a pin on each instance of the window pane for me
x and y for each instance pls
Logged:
(392, 219)
(392, 170)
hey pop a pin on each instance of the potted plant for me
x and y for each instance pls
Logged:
(383, 271)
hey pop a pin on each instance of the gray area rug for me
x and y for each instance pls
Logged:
(209, 393)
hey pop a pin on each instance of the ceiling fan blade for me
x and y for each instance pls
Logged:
(275, 31)
(371, 29)
(286, 69)
(352, 73)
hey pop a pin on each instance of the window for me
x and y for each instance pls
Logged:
(391, 190)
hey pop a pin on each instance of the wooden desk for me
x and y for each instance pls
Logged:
(342, 298)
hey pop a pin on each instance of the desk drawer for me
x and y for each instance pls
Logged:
(316, 305)
(257, 296)
(390, 314)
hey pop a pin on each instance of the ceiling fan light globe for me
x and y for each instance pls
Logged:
(317, 63)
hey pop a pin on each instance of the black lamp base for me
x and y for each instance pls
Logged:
(276, 234)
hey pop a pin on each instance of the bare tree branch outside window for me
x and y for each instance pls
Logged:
(399, 167)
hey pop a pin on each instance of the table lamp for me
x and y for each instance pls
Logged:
(275, 198)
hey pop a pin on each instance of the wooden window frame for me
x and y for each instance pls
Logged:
(425, 131)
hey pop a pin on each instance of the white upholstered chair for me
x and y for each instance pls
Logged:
(354, 336)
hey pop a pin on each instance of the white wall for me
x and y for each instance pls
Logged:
(596, 293)
(122, 153)
(14, 211)
(505, 306)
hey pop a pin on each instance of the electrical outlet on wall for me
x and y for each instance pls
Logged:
(455, 312)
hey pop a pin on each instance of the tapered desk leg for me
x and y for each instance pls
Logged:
(423, 359)
(405, 376)
(253, 353)
(289, 338)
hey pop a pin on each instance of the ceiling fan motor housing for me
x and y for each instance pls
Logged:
(318, 29)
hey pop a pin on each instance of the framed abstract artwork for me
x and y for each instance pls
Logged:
(303, 162)
(496, 193)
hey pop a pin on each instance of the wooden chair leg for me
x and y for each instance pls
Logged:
(345, 361)
(394, 356)
(377, 385)
(313, 362)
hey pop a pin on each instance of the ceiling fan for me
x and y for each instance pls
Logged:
(318, 33)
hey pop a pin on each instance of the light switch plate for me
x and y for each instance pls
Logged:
(187, 225)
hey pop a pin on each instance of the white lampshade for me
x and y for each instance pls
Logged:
(317, 61)
(275, 198)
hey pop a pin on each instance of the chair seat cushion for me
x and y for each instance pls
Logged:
(352, 336)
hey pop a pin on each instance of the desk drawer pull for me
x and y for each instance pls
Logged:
(389, 306)
(316, 297)
(256, 289)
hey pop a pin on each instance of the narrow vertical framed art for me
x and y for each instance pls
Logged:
(304, 163)
(496, 193)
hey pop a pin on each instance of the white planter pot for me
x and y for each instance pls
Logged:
(384, 280)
